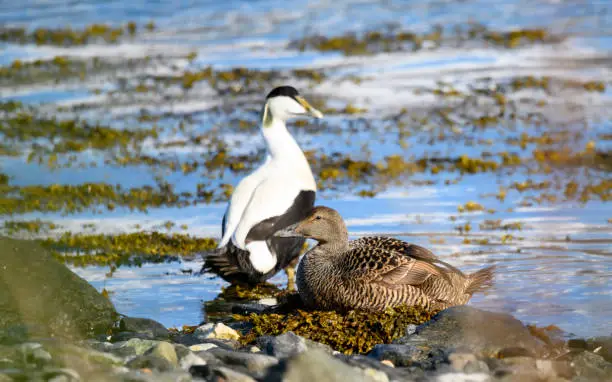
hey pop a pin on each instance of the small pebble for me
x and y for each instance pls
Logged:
(202, 347)
(218, 331)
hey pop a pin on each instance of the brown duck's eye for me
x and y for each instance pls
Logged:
(317, 218)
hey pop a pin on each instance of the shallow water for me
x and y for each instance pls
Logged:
(556, 270)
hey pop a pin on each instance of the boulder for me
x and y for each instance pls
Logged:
(145, 328)
(471, 330)
(288, 344)
(41, 297)
(317, 365)
(255, 364)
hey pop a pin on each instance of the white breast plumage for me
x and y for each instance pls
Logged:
(270, 190)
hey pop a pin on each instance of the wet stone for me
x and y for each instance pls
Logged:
(216, 331)
(515, 351)
(475, 331)
(256, 364)
(149, 362)
(202, 347)
(399, 355)
(61, 375)
(283, 346)
(288, 344)
(219, 373)
(591, 366)
(102, 358)
(577, 343)
(189, 360)
(144, 327)
(181, 350)
(166, 351)
(601, 346)
(315, 365)
(368, 364)
(134, 346)
(35, 353)
(467, 363)
(45, 298)
(168, 376)
(514, 366)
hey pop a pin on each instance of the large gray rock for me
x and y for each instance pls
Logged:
(143, 327)
(421, 357)
(255, 364)
(218, 373)
(166, 351)
(467, 329)
(288, 344)
(599, 345)
(317, 365)
(149, 362)
(39, 296)
(591, 367)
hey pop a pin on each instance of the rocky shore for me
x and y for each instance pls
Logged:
(443, 349)
(81, 338)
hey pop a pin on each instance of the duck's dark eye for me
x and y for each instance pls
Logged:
(317, 218)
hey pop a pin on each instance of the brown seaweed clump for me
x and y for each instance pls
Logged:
(353, 332)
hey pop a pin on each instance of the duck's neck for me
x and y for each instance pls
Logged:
(336, 243)
(333, 248)
(281, 145)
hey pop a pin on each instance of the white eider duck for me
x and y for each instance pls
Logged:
(279, 193)
(374, 273)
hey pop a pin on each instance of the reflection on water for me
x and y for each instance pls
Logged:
(555, 269)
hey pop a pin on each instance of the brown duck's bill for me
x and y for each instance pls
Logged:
(289, 231)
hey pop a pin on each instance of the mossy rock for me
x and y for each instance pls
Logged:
(353, 332)
(45, 298)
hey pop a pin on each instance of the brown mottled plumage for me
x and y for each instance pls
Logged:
(375, 273)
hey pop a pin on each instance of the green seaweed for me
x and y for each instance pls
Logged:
(353, 332)
(125, 249)
(87, 196)
(377, 41)
(32, 226)
(68, 36)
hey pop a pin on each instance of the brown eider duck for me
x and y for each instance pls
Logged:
(375, 273)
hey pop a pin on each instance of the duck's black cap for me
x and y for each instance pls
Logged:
(287, 91)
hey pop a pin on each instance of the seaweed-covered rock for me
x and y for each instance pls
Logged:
(44, 297)
(353, 332)
(473, 330)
